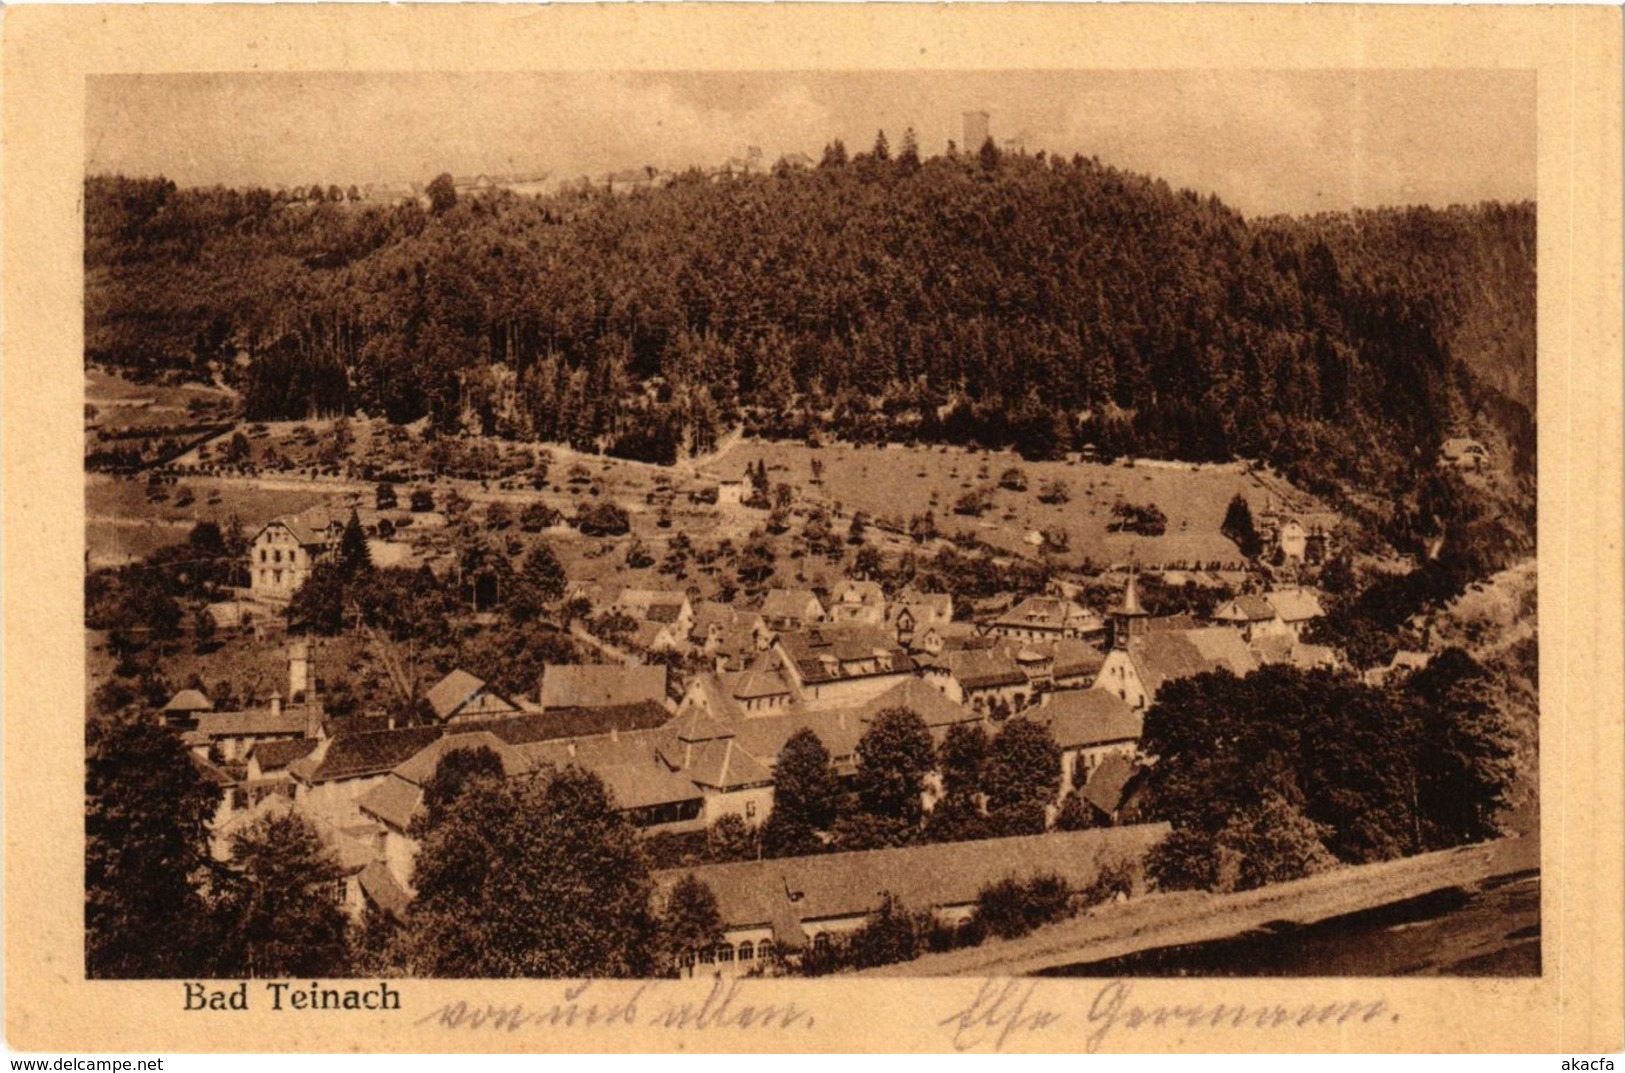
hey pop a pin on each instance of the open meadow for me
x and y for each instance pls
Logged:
(894, 484)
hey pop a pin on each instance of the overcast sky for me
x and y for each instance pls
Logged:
(1265, 142)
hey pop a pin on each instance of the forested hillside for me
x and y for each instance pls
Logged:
(1042, 302)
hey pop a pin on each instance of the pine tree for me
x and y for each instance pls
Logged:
(908, 158)
(805, 795)
(1238, 527)
(355, 558)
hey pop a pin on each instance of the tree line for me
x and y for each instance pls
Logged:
(1033, 301)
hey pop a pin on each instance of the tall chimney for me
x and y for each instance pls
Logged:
(276, 704)
(299, 669)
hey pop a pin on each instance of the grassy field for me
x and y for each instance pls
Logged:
(890, 484)
(897, 483)
(123, 523)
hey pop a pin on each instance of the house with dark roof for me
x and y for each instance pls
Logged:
(461, 698)
(1110, 787)
(606, 685)
(270, 759)
(381, 773)
(330, 779)
(395, 800)
(733, 636)
(834, 666)
(282, 553)
(231, 735)
(658, 607)
(779, 908)
(562, 723)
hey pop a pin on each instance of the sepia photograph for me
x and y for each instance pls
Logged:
(1008, 528)
(718, 524)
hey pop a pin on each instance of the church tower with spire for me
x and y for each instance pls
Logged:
(1130, 620)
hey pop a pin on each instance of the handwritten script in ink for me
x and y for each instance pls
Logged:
(1003, 1011)
(609, 1008)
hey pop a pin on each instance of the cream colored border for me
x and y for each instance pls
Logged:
(49, 51)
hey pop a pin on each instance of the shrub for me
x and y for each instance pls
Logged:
(1011, 908)
(973, 503)
(1115, 875)
(1145, 520)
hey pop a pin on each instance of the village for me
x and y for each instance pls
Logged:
(556, 593)
(685, 711)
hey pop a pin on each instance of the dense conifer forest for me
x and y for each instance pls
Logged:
(1023, 300)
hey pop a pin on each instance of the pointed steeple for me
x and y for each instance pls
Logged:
(1131, 596)
(1130, 618)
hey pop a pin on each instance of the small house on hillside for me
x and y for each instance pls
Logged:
(862, 602)
(282, 553)
(460, 697)
(792, 609)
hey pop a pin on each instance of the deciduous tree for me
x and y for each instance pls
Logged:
(279, 904)
(147, 808)
(534, 877)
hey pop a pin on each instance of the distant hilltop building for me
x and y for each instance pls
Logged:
(976, 130)
(282, 553)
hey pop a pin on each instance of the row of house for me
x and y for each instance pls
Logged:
(774, 908)
(681, 763)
